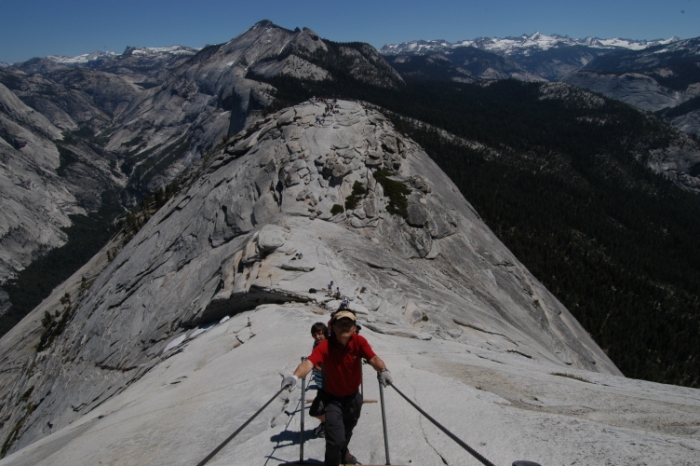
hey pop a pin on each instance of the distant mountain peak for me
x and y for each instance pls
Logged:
(264, 23)
(267, 24)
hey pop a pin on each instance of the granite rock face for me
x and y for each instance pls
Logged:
(44, 178)
(507, 405)
(636, 89)
(264, 224)
(688, 123)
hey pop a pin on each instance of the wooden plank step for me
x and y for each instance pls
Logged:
(316, 462)
(311, 400)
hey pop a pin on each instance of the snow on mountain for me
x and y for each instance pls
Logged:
(160, 51)
(635, 45)
(82, 59)
(510, 45)
(151, 52)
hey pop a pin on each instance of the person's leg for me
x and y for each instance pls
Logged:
(317, 410)
(335, 432)
(318, 407)
(351, 414)
(320, 430)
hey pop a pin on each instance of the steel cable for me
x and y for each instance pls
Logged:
(223, 444)
(461, 443)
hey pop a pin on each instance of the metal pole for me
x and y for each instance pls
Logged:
(386, 439)
(303, 408)
(362, 379)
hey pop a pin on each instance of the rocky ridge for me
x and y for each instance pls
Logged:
(260, 226)
(464, 64)
(139, 120)
(206, 99)
(215, 93)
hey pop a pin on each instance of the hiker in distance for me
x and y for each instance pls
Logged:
(341, 357)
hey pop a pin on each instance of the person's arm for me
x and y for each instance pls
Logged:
(377, 363)
(303, 369)
(383, 374)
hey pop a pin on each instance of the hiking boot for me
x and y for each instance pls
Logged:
(320, 431)
(349, 458)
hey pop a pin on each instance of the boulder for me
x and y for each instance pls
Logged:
(298, 265)
(265, 209)
(418, 215)
(441, 224)
(421, 183)
(398, 332)
(270, 238)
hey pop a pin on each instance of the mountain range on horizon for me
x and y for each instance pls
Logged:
(528, 57)
(517, 244)
(505, 45)
(657, 76)
(522, 44)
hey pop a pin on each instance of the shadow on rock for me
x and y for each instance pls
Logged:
(292, 436)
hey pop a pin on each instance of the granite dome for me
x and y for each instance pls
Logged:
(182, 332)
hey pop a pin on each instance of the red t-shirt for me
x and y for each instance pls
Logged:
(342, 367)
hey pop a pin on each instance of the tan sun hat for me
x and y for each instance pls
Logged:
(343, 314)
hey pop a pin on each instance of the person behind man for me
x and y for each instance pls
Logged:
(318, 410)
(341, 356)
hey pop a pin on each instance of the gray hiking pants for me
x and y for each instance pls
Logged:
(342, 414)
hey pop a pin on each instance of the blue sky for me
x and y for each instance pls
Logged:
(37, 28)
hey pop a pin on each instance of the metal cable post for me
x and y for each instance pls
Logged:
(362, 377)
(386, 439)
(303, 408)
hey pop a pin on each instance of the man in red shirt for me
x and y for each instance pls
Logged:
(341, 357)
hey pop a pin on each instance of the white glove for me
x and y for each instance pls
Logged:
(290, 382)
(385, 378)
